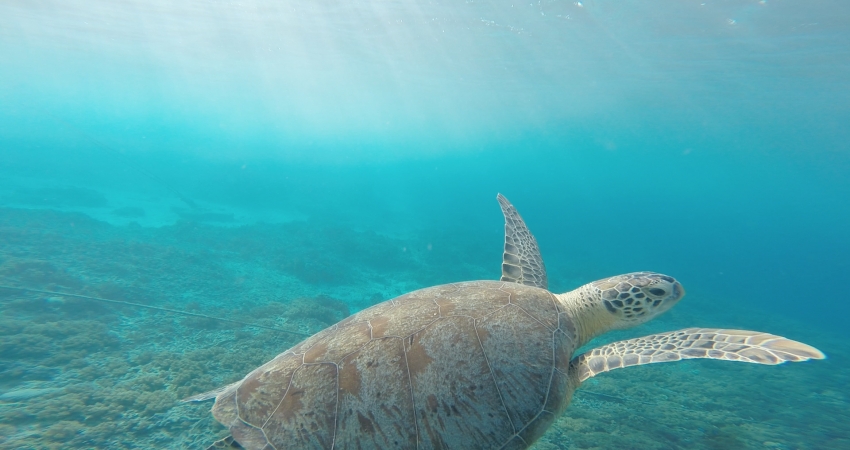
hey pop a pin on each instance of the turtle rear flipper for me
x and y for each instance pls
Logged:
(209, 395)
(710, 343)
(225, 443)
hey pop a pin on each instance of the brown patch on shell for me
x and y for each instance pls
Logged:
(262, 390)
(475, 303)
(409, 316)
(456, 399)
(379, 326)
(291, 404)
(349, 378)
(306, 414)
(417, 357)
(366, 425)
(376, 410)
(316, 352)
(446, 306)
(334, 346)
(305, 345)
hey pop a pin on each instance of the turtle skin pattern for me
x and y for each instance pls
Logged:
(471, 365)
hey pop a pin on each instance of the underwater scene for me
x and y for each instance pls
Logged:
(190, 188)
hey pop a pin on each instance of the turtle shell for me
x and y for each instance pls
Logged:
(468, 365)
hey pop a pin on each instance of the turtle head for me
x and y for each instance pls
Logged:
(635, 298)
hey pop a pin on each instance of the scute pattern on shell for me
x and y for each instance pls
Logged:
(475, 365)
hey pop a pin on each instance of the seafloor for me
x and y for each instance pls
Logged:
(77, 373)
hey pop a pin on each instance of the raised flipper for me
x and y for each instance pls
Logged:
(711, 343)
(521, 262)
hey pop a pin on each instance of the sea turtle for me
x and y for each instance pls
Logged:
(471, 365)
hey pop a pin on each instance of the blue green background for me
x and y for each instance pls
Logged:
(705, 140)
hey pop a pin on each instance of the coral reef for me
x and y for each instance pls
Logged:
(322, 309)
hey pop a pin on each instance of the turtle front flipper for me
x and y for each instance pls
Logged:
(711, 343)
(521, 261)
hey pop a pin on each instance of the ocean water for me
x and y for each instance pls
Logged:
(285, 164)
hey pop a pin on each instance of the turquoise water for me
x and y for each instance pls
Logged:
(287, 164)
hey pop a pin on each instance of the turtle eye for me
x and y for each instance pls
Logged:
(658, 292)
